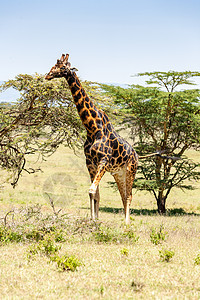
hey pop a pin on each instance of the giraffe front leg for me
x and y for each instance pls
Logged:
(92, 209)
(94, 204)
(94, 190)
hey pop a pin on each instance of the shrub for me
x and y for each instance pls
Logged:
(34, 235)
(157, 236)
(9, 235)
(46, 247)
(129, 233)
(66, 263)
(32, 251)
(197, 260)
(60, 236)
(105, 234)
(124, 251)
(166, 255)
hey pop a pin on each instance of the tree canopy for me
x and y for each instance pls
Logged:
(163, 118)
(38, 122)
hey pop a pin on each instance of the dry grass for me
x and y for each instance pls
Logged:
(106, 273)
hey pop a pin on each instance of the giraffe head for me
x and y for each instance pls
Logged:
(61, 68)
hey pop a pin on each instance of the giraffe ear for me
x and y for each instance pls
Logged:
(73, 70)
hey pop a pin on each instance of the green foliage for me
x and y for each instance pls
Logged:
(33, 234)
(60, 236)
(197, 260)
(105, 234)
(46, 247)
(130, 234)
(29, 224)
(171, 79)
(32, 251)
(166, 255)
(49, 248)
(66, 262)
(162, 118)
(42, 118)
(124, 251)
(8, 235)
(101, 290)
(157, 236)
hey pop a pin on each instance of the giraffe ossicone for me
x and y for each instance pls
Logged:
(105, 150)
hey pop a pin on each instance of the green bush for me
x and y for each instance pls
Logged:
(197, 260)
(46, 247)
(166, 255)
(66, 263)
(60, 236)
(157, 236)
(124, 251)
(105, 234)
(129, 233)
(9, 235)
(34, 234)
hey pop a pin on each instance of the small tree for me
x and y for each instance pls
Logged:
(38, 122)
(163, 119)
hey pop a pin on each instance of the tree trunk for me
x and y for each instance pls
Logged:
(161, 200)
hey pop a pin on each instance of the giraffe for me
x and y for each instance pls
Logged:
(105, 150)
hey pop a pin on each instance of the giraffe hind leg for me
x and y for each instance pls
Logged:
(130, 176)
(124, 180)
(121, 184)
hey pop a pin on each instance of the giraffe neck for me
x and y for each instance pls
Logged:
(91, 116)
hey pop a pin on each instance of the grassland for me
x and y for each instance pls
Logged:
(118, 262)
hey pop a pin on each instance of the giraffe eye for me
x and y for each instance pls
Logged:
(62, 68)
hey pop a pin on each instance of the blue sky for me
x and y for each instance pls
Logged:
(108, 40)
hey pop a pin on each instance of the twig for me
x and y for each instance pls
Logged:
(53, 207)
(5, 218)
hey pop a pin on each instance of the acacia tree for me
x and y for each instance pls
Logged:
(42, 118)
(165, 119)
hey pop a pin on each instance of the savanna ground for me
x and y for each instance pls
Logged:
(117, 262)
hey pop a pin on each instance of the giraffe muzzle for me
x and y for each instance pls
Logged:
(48, 77)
